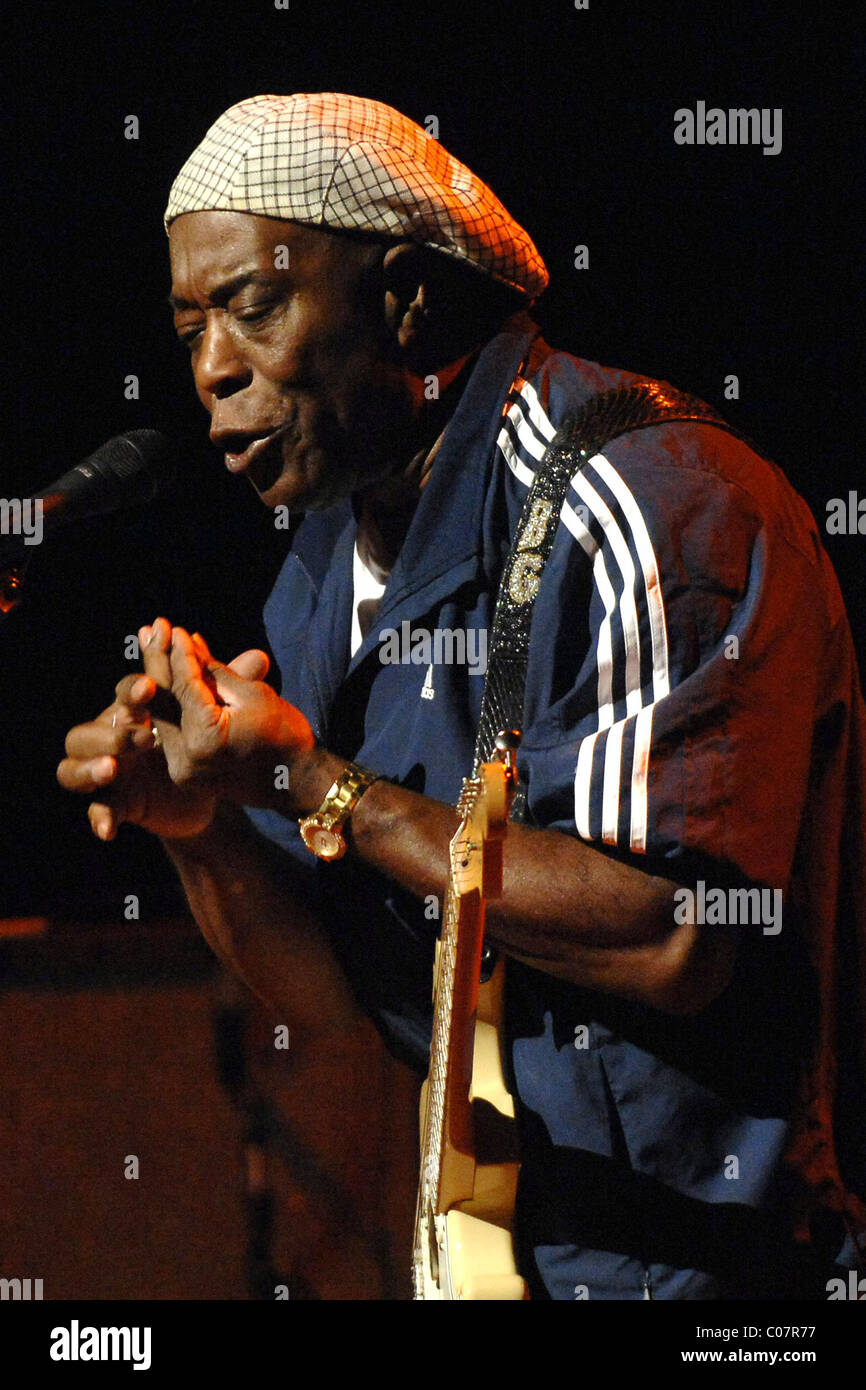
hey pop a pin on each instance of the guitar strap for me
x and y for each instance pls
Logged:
(604, 417)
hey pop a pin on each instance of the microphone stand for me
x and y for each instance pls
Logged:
(231, 1018)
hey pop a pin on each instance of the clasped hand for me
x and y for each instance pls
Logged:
(222, 733)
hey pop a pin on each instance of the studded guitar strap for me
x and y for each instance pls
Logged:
(604, 417)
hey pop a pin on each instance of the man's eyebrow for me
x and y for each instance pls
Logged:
(225, 291)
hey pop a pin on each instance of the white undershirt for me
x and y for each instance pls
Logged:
(368, 592)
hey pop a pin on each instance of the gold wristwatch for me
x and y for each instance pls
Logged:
(321, 832)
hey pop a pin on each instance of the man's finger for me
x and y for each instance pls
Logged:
(106, 817)
(103, 820)
(136, 692)
(102, 738)
(229, 682)
(155, 652)
(86, 775)
(191, 686)
(252, 665)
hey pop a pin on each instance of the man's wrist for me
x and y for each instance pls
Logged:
(226, 819)
(311, 775)
(324, 828)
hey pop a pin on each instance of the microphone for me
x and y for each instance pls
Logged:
(126, 471)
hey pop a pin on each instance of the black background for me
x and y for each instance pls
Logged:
(704, 261)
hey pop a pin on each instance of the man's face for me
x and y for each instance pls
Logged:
(290, 354)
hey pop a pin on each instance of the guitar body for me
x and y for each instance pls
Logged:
(466, 1251)
(463, 1245)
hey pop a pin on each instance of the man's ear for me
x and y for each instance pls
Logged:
(407, 295)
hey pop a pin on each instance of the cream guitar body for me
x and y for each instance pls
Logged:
(463, 1246)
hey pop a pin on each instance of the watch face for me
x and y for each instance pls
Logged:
(327, 844)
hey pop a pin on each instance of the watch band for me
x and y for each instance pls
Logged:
(321, 832)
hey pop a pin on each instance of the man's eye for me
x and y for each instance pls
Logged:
(251, 313)
(190, 338)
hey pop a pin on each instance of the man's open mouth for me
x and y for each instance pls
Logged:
(247, 448)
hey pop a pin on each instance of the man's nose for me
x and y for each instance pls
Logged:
(220, 370)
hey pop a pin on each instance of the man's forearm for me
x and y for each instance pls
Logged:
(240, 891)
(566, 908)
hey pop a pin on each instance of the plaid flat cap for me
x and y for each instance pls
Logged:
(347, 162)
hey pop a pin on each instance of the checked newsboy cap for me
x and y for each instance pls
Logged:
(346, 162)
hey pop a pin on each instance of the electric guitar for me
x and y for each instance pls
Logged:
(463, 1245)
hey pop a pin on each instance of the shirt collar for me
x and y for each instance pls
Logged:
(446, 527)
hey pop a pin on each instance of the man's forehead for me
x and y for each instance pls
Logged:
(223, 233)
(214, 249)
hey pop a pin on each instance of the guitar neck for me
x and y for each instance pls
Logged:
(462, 1242)
(446, 1153)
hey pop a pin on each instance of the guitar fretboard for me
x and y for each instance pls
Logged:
(443, 1004)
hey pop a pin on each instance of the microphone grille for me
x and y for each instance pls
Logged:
(146, 453)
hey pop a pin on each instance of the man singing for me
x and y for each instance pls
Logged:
(355, 304)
